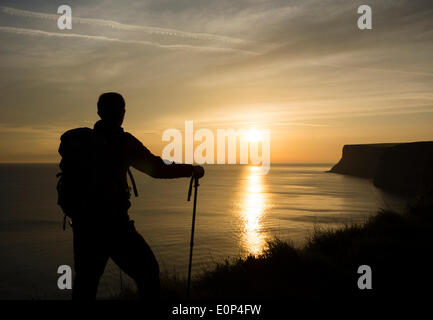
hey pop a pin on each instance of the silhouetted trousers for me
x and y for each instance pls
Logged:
(97, 241)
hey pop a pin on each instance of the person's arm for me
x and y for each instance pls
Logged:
(142, 159)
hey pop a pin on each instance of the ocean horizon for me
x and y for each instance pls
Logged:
(238, 211)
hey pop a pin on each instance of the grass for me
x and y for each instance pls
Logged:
(397, 247)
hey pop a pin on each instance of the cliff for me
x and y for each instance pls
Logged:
(361, 160)
(404, 168)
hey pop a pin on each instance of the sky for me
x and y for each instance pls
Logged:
(300, 68)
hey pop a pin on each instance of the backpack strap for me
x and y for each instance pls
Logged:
(134, 186)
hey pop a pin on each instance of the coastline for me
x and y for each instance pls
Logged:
(395, 246)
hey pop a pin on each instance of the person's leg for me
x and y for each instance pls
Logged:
(134, 256)
(90, 258)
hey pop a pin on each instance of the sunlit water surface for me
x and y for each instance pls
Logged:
(238, 210)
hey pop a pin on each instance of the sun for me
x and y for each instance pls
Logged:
(254, 135)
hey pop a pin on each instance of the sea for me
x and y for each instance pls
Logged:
(238, 211)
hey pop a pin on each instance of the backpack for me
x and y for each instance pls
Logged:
(79, 176)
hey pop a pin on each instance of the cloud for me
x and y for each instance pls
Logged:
(11, 128)
(36, 32)
(315, 76)
(339, 66)
(129, 27)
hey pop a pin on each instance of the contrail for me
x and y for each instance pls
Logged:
(36, 32)
(129, 27)
(374, 69)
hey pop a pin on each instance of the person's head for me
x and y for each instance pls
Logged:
(111, 108)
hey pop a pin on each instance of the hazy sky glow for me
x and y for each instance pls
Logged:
(300, 68)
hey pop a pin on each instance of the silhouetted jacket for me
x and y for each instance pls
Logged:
(122, 150)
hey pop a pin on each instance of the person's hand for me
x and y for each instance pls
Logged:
(197, 171)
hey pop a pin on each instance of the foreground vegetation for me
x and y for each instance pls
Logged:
(397, 247)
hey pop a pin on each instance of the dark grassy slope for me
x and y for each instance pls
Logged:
(396, 246)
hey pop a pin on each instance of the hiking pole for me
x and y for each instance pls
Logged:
(191, 244)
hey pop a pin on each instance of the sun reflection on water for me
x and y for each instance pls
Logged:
(252, 212)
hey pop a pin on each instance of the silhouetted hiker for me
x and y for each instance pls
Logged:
(94, 192)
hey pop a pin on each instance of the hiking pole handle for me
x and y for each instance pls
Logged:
(190, 188)
(195, 180)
